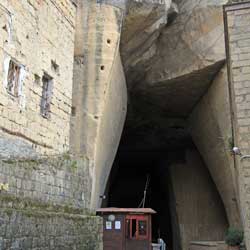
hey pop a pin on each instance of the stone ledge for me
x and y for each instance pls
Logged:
(22, 204)
(33, 230)
(233, 5)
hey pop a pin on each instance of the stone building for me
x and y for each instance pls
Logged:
(99, 96)
(37, 46)
(46, 200)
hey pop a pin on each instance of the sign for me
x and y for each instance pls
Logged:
(108, 225)
(117, 225)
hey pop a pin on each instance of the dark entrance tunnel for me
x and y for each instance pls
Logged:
(128, 185)
(157, 142)
(179, 185)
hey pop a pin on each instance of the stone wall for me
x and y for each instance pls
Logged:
(47, 205)
(57, 180)
(33, 226)
(237, 18)
(39, 37)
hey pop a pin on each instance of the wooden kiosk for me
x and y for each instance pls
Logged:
(126, 228)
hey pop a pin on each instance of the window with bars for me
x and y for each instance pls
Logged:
(46, 95)
(13, 78)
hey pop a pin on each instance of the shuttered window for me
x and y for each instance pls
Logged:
(46, 96)
(13, 78)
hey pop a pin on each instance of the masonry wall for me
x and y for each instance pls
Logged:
(32, 226)
(36, 34)
(46, 205)
(237, 19)
(47, 196)
(61, 180)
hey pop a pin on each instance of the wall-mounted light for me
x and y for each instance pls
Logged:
(103, 197)
(237, 151)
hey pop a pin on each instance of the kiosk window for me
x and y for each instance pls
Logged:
(127, 228)
(142, 227)
(136, 227)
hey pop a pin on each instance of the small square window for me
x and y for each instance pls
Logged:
(46, 95)
(13, 79)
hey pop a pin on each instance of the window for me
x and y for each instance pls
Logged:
(142, 227)
(137, 227)
(127, 228)
(13, 78)
(133, 228)
(46, 95)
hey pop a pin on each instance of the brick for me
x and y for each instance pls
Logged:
(241, 77)
(236, 64)
(243, 43)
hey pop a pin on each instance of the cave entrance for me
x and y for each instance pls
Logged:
(175, 134)
(181, 190)
(136, 170)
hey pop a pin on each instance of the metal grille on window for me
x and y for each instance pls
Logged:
(46, 96)
(13, 78)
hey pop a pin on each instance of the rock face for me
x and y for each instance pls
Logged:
(180, 63)
(142, 26)
(150, 98)
(208, 226)
(169, 57)
(173, 53)
(99, 91)
(211, 130)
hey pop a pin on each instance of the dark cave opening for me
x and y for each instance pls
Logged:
(129, 177)
(157, 143)
(134, 165)
(172, 192)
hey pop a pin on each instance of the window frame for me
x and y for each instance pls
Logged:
(129, 219)
(14, 89)
(46, 98)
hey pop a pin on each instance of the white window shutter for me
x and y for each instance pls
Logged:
(21, 95)
(22, 76)
(6, 64)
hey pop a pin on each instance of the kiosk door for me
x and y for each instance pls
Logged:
(113, 233)
(138, 233)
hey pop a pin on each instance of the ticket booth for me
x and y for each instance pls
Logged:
(126, 228)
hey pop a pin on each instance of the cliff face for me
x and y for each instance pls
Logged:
(173, 57)
(149, 100)
(173, 48)
(171, 52)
